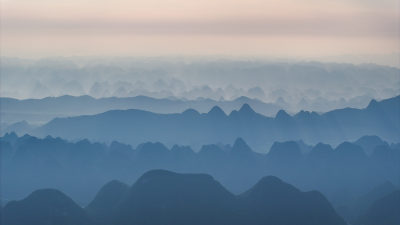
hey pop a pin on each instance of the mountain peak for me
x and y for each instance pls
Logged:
(152, 150)
(158, 173)
(114, 184)
(241, 146)
(276, 199)
(161, 175)
(172, 181)
(154, 174)
(191, 112)
(270, 186)
(350, 151)
(239, 142)
(216, 111)
(48, 193)
(373, 103)
(285, 150)
(369, 138)
(242, 98)
(211, 151)
(246, 109)
(11, 137)
(369, 143)
(282, 114)
(321, 150)
(305, 114)
(175, 198)
(269, 181)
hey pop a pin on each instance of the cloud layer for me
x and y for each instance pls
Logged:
(292, 85)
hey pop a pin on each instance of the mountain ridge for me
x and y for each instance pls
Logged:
(134, 126)
(165, 197)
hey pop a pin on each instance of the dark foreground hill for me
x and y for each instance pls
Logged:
(194, 129)
(167, 198)
(273, 200)
(44, 207)
(383, 211)
(163, 197)
(359, 206)
(102, 208)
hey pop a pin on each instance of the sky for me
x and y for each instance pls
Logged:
(355, 31)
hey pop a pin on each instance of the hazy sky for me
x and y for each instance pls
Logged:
(341, 30)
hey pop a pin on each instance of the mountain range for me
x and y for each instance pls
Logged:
(39, 111)
(164, 197)
(195, 129)
(342, 174)
(205, 141)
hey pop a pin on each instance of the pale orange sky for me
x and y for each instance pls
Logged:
(358, 30)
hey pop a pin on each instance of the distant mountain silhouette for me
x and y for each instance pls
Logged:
(216, 113)
(212, 153)
(10, 137)
(383, 211)
(43, 110)
(369, 143)
(321, 152)
(195, 129)
(246, 111)
(21, 127)
(304, 148)
(350, 153)
(44, 207)
(241, 149)
(285, 151)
